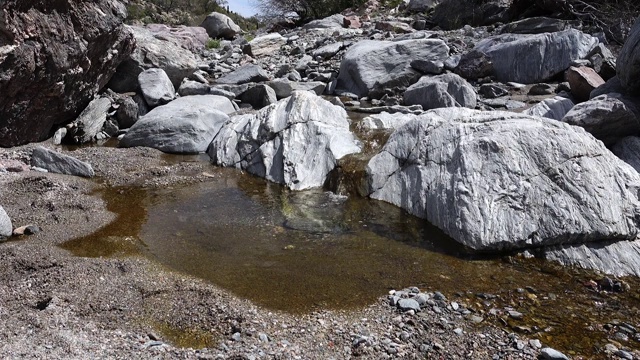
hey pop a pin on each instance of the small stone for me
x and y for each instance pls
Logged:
(624, 355)
(455, 306)
(263, 337)
(516, 315)
(408, 304)
(27, 230)
(535, 343)
(458, 331)
(541, 89)
(236, 336)
(552, 354)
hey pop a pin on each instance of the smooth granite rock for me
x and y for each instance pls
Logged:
(56, 162)
(295, 142)
(499, 180)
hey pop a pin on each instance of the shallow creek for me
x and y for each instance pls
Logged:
(302, 251)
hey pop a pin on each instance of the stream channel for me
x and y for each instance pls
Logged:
(310, 250)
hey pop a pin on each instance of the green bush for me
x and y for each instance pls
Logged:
(213, 44)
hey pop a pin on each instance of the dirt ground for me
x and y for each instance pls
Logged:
(54, 305)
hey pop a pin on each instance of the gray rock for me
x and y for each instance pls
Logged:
(90, 122)
(6, 228)
(370, 63)
(553, 108)
(490, 187)
(265, 45)
(236, 90)
(628, 150)
(127, 113)
(535, 25)
(621, 258)
(156, 87)
(295, 142)
(492, 91)
(192, 38)
(608, 117)
(385, 121)
(408, 304)
(59, 163)
(328, 51)
(152, 52)
(259, 96)
(428, 67)
(221, 92)
(284, 88)
(535, 58)
(190, 87)
(552, 354)
(612, 85)
(474, 65)
(184, 126)
(332, 22)
(244, 74)
(441, 91)
(421, 5)
(59, 135)
(628, 64)
(220, 26)
(454, 14)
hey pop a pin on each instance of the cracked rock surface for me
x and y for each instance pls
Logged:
(295, 142)
(499, 180)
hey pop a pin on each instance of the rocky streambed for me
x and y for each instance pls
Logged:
(155, 257)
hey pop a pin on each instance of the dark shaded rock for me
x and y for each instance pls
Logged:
(535, 25)
(492, 91)
(47, 75)
(474, 65)
(454, 14)
(127, 113)
(628, 64)
(428, 67)
(259, 96)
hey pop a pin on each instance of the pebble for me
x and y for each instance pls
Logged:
(458, 331)
(516, 315)
(263, 337)
(236, 336)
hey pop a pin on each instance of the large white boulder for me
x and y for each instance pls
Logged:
(295, 142)
(500, 180)
(220, 25)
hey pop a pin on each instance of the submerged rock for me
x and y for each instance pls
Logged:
(184, 126)
(60, 163)
(482, 178)
(295, 142)
(621, 258)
